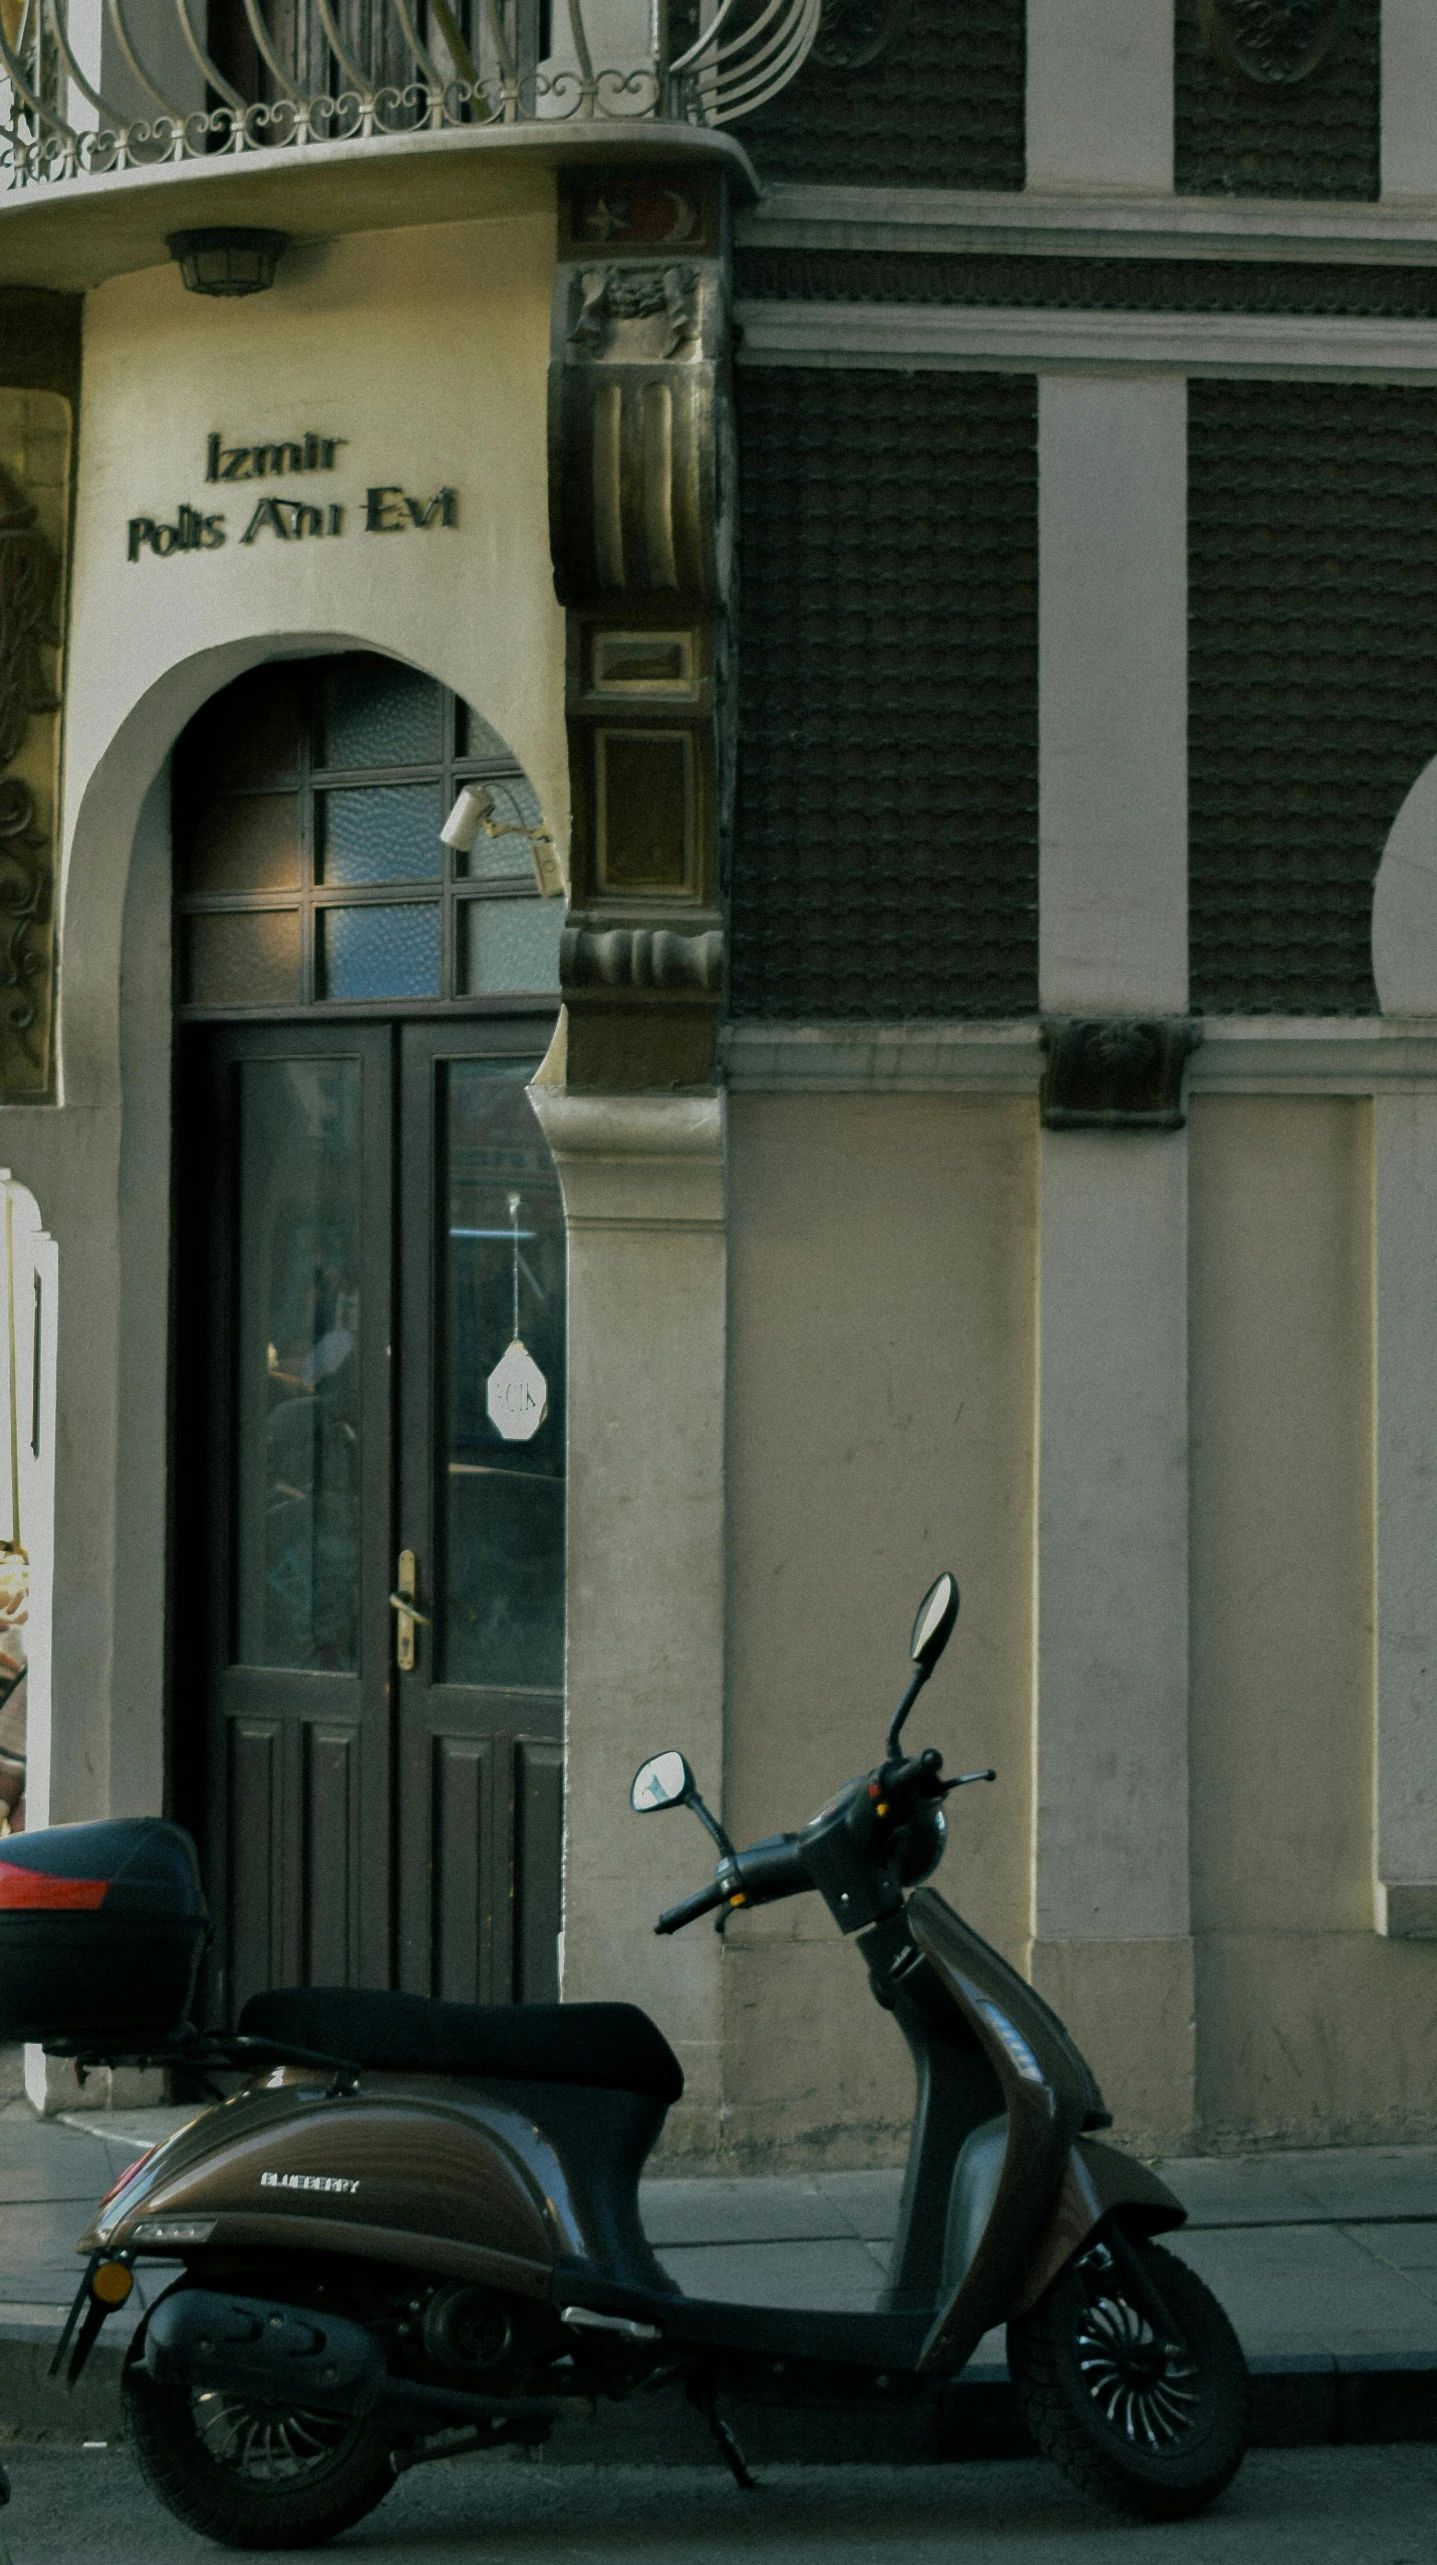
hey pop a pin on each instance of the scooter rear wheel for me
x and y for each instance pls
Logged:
(253, 2475)
(1155, 2429)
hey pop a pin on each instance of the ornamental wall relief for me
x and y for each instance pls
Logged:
(34, 486)
(855, 33)
(1274, 43)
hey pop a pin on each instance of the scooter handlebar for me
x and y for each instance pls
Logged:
(689, 1909)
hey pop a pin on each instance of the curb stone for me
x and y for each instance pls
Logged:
(1299, 2402)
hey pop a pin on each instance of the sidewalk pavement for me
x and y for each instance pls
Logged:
(1326, 2261)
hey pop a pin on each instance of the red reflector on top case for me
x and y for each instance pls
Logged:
(36, 1888)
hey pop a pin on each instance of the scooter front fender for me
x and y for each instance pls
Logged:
(1098, 2181)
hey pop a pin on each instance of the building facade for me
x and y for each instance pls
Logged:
(721, 885)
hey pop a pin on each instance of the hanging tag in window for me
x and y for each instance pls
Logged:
(516, 1393)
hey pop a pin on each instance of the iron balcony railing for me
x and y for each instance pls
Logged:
(90, 86)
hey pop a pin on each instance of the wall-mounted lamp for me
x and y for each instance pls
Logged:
(227, 260)
(473, 817)
(461, 828)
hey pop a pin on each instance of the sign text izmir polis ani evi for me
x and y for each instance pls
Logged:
(388, 507)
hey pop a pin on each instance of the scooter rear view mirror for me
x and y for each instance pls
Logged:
(665, 1781)
(931, 1633)
(933, 1628)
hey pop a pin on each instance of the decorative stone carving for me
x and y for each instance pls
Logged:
(642, 957)
(1111, 1073)
(854, 33)
(617, 294)
(639, 434)
(30, 577)
(1276, 43)
(640, 511)
(642, 217)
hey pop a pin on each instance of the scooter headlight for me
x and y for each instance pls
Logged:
(922, 1847)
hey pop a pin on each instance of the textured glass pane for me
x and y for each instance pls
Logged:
(248, 733)
(380, 952)
(473, 736)
(514, 806)
(243, 842)
(297, 1356)
(501, 1600)
(388, 833)
(379, 714)
(246, 959)
(510, 944)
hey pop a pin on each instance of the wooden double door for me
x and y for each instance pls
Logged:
(370, 1226)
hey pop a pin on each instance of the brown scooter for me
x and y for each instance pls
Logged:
(416, 2230)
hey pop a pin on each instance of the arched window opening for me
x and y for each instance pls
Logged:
(309, 800)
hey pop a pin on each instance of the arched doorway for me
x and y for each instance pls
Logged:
(367, 1219)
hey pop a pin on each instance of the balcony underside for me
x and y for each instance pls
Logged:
(76, 234)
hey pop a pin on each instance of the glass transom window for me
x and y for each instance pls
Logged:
(309, 798)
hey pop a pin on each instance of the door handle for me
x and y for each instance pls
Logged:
(406, 1610)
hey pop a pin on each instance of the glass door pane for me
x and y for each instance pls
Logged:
(482, 1510)
(501, 1593)
(297, 1349)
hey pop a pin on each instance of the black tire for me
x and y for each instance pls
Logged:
(250, 2475)
(1155, 2430)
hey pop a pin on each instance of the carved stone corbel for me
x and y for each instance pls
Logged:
(1113, 1073)
(641, 524)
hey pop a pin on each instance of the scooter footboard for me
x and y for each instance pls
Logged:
(1099, 2181)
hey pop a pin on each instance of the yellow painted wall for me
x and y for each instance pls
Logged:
(1310, 2026)
(880, 1428)
(427, 350)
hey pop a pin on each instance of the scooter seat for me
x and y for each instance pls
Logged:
(612, 2047)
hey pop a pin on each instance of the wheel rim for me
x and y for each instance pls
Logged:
(1146, 2391)
(263, 2444)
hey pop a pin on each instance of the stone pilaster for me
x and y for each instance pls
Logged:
(1111, 1923)
(641, 479)
(643, 1200)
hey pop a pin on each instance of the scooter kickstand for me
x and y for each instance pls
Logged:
(701, 2393)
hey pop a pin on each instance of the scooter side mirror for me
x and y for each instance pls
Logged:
(933, 1628)
(665, 1781)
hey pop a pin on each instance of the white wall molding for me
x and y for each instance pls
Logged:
(1112, 698)
(1405, 1845)
(1093, 226)
(936, 336)
(1312, 1055)
(1404, 906)
(1238, 1055)
(1100, 94)
(1409, 90)
(881, 1059)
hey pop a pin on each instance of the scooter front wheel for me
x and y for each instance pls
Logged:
(1156, 2427)
(253, 2475)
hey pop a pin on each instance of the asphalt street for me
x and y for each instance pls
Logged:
(1373, 2506)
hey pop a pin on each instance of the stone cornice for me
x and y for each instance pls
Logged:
(1239, 1055)
(962, 336)
(1090, 226)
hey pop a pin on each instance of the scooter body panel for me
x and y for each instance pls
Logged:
(1021, 2188)
(424, 2174)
